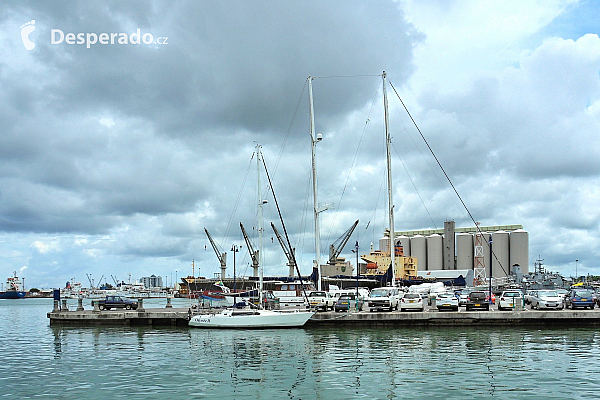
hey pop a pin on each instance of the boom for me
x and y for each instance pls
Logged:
(336, 248)
(253, 253)
(222, 256)
(289, 253)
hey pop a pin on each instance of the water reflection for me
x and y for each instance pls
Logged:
(144, 362)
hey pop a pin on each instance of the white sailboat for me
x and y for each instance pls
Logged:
(253, 317)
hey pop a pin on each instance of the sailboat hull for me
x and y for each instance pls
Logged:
(248, 318)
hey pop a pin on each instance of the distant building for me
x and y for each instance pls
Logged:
(152, 281)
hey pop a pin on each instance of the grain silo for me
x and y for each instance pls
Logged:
(519, 249)
(418, 249)
(384, 244)
(435, 256)
(464, 251)
(404, 241)
(501, 255)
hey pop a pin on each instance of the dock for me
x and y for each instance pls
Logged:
(431, 317)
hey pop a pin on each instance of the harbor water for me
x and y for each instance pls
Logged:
(43, 361)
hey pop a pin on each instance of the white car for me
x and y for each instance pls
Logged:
(446, 301)
(412, 301)
(509, 299)
(548, 299)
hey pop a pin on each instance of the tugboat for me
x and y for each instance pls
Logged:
(13, 288)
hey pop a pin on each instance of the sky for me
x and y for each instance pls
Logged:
(126, 128)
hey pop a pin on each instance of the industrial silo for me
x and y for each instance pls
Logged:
(404, 241)
(418, 249)
(519, 249)
(464, 251)
(501, 258)
(435, 255)
(384, 244)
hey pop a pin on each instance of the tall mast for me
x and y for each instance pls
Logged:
(260, 225)
(314, 141)
(389, 178)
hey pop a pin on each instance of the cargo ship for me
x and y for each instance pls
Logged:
(14, 288)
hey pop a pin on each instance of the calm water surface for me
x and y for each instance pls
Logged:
(40, 361)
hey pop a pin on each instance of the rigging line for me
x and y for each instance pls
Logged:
(289, 130)
(287, 238)
(237, 201)
(354, 159)
(433, 171)
(343, 76)
(374, 216)
(445, 174)
(413, 184)
(304, 220)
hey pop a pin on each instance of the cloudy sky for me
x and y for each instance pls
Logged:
(114, 157)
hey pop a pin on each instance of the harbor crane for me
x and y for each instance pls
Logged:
(253, 253)
(289, 253)
(221, 255)
(336, 248)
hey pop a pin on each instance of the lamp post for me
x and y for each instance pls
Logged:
(357, 272)
(576, 276)
(234, 249)
(491, 262)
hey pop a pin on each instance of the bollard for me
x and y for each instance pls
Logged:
(95, 304)
(140, 307)
(169, 305)
(64, 305)
(80, 304)
(56, 306)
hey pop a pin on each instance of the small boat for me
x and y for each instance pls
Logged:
(251, 318)
(13, 288)
(248, 316)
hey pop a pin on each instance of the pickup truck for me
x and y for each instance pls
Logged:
(383, 298)
(117, 302)
(321, 300)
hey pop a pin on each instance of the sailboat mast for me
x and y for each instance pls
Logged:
(389, 179)
(314, 142)
(260, 226)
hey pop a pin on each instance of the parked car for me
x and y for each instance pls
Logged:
(562, 293)
(412, 301)
(509, 299)
(383, 298)
(321, 300)
(347, 302)
(116, 302)
(529, 295)
(464, 296)
(477, 300)
(548, 299)
(445, 301)
(580, 298)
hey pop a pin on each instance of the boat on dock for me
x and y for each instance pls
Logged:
(248, 315)
(14, 288)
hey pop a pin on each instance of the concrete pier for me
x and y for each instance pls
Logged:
(170, 316)
(149, 316)
(431, 318)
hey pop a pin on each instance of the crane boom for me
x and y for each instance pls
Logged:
(253, 253)
(336, 248)
(222, 256)
(288, 252)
